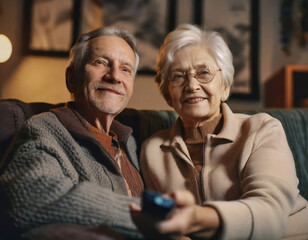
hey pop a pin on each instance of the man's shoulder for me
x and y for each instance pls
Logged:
(46, 120)
(41, 118)
(41, 125)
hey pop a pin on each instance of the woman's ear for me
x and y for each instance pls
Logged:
(69, 77)
(225, 93)
(169, 101)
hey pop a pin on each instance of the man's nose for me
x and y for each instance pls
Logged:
(113, 75)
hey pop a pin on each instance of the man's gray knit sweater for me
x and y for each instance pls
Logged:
(57, 172)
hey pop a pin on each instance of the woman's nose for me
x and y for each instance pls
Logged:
(192, 83)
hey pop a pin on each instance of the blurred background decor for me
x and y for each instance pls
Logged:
(34, 73)
(239, 27)
(148, 21)
(294, 24)
(5, 48)
(50, 27)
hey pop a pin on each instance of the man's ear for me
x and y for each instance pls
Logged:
(69, 77)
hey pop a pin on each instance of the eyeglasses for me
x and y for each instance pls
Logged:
(202, 75)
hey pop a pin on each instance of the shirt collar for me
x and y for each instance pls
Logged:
(68, 117)
(230, 126)
(228, 132)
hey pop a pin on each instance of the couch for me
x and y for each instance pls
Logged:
(14, 112)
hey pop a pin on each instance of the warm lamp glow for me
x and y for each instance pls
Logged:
(5, 48)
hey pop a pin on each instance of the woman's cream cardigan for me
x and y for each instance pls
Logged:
(248, 176)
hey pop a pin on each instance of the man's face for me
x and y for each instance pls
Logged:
(108, 75)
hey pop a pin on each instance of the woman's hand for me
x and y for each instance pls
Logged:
(186, 219)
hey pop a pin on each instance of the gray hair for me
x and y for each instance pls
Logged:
(79, 52)
(186, 35)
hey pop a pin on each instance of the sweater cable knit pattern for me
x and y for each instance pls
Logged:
(54, 174)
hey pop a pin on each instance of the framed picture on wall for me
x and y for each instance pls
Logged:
(148, 21)
(49, 26)
(239, 27)
(184, 12)
(52, 26)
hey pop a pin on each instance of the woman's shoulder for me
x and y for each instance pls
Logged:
(159, 136)
(152, 144)
(258, 121)
(255, 117)
(251, 119)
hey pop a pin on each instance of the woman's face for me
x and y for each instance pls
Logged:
(195, 101)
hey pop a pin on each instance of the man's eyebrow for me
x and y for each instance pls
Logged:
(128, 64)
(178, 70)
(103, 56)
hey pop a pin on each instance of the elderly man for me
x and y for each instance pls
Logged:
(76, 164)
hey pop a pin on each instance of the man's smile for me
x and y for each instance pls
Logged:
(109, 89)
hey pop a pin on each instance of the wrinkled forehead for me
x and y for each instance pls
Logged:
(111, 46)
(191, 57)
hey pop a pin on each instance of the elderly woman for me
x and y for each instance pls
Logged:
(232, 175)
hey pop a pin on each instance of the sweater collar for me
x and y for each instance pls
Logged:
(230, 126)
(228, 131)
(198, 134)
(72, 121)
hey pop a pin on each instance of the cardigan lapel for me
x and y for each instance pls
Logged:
(231, 125)
(73, 124)
(176, 144)
(175, 141)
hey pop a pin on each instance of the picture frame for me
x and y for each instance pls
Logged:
(149, 21)
(241, 35)
(85, 15)
(50, 27)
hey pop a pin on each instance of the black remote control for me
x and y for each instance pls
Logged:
(156, 205)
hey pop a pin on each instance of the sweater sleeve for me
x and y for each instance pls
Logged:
(45, 187)
(269, 186)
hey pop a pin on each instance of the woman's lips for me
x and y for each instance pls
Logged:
(194, 100)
